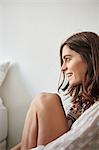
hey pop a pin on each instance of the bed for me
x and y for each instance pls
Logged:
(3, 126)
(3, 111)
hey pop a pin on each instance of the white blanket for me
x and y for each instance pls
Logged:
(82, 132)
(1, 103)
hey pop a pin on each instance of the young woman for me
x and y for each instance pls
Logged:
(46, 119)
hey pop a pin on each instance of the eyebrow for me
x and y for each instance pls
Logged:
(66, 56)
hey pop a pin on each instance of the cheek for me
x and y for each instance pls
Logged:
(79, 69)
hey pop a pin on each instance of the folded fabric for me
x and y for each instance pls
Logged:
(1, 103)
(40, 147)
(3, 71)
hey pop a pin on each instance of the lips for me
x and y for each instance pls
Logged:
(68, 75)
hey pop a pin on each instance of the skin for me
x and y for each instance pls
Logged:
(73, 65)
(46, 120)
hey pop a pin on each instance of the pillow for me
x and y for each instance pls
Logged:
(3, 71)
(1, 103)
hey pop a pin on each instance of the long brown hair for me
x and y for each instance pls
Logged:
(87, 45)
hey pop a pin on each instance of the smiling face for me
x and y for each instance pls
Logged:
(73, 65)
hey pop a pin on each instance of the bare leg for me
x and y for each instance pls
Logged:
(17, 147)
(45, 121)
(30, 132)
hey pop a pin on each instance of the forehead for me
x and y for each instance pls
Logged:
(67, 51)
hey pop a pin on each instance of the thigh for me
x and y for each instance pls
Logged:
(51, 120)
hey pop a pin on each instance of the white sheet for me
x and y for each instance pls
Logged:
(3, 123)
(3, 145)
(1, 103)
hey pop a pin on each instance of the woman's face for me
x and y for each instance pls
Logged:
(73, 65)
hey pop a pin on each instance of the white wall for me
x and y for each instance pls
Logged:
(32, 32)
(98, 17)
(1, 20)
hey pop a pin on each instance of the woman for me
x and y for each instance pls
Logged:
(46, 119)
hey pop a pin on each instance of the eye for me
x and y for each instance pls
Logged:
(67, 59)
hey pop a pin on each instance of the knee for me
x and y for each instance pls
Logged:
(45, 100)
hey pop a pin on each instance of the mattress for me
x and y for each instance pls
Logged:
(3, 123)
(3, 145)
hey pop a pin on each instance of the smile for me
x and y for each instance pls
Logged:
(69, 75)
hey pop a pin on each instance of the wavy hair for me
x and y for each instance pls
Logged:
(87, 45)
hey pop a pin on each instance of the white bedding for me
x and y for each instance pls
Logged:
(3, 123)
(81, 134)
(3, 145)
(1, 103)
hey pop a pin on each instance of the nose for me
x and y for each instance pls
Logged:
(63, 67)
